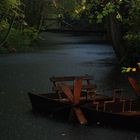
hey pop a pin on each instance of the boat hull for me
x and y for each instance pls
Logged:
(49, 104)
(114, 119)
(44, 103)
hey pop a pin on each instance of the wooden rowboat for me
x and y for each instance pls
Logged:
(95, 108)
(51, 105)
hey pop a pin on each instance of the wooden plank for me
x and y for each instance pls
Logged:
(97, 98)
(67, 91)
(134, 85)
(77, 90)
(70, 78)
(84, 87)
(80, 116)
(129, 113)
(59, 79)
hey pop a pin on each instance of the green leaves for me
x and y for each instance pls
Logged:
(132, 36)
(10, 7)
(15, 32)
(99, 17)
(4, 25)
(119, 17)
(107, 9)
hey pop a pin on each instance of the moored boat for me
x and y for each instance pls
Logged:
(87, 106)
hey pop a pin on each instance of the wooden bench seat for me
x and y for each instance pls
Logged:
(84, 87)
(86, 83)
(70, 78)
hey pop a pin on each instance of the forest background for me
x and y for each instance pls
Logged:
(22, 20)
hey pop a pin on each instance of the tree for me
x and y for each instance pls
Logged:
(15, 32)
(122, 23)
(8, 8)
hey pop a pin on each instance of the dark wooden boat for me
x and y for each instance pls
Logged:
(86, 106)
(50, 104)
(128, 119)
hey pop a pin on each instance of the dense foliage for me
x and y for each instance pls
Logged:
(20, 21)
(15, 35)
(126, 13)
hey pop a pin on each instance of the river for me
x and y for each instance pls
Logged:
(60, 54)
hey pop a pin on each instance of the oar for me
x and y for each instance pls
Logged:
(74, 98)
(77, 90)
(66, 90)
(81, 117)
(134, 85)
(77, 94)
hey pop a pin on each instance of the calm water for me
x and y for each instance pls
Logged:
(60, 54)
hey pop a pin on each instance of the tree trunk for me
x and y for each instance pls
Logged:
(8, 32)
(115, 35)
